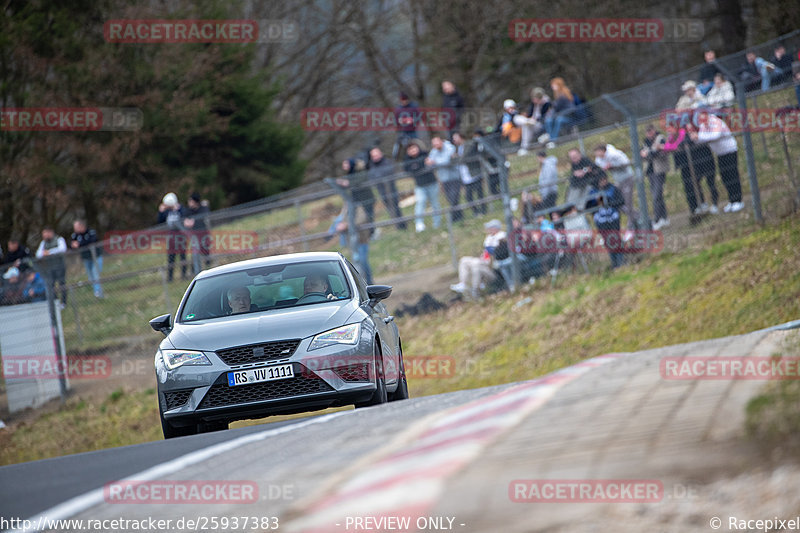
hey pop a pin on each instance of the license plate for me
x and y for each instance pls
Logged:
(259, 375)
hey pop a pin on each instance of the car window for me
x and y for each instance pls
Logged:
(264, 288)
(361, 285)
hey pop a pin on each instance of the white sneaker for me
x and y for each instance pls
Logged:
(664, 222)
(458, 287)
(550, 145)
(736, 206)
(543, 138)
(532, 281)
(553, 272)
(657, 225)
(522, 151)
(420, 227)
(628, 236)
(727, 208)
(714, 210)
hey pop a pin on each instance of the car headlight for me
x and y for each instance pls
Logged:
(175, 358)
(342, 335)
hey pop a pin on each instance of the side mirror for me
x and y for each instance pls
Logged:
(377, 293)
(162, 323)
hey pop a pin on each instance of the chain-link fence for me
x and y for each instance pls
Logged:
(694, 179)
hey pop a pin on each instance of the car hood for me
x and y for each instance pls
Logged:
(277, 324)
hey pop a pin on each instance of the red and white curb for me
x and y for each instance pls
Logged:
(408, 482)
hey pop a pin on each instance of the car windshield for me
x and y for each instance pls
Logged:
(263, 288)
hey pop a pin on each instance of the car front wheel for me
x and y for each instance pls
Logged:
(379, 396)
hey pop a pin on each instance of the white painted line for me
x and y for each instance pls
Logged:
(95, 497)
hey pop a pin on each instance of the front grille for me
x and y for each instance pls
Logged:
(177, 398)
(221, 395)
(357, 372)
(256, 353)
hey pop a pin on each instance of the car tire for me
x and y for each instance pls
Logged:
(402, 384)
(380, 395)
(171, 431)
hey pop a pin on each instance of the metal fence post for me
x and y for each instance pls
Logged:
(165, 287)
(741, 97)
(298, 206)
(60, 356)
(451, 237)
(644, 215)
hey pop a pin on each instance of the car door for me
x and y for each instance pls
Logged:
(384, 323)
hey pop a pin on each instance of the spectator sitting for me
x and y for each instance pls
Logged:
(532, 121)
(543, 223)
(608, 199)
(11, 290)
(16, 254)
(33, 289)
(453, 102)
(755, 72)
(51, 255)
(783, 66)
(707, 72)
(562, 107)
(531, 203)
(85, 237)
(691, 98)
(548, 179)
(585, 175)
(426, 188)
(476, 272)
(721, 94)
(508, 128)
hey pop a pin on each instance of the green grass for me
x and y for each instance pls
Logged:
(742, 284)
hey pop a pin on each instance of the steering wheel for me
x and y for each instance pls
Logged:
(321, 295)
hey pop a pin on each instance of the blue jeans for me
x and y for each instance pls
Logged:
(705, 87)
(553, 125)
(427, 194)
(361, 258)
(761, 65)
(93, 270)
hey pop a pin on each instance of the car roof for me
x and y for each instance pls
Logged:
(303, 257)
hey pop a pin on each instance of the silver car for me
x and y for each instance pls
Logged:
(276, 335)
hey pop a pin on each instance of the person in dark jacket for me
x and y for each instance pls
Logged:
(678, 143)
(471, 172)
(17, 253)
(703, 166)
(608, 199)
(50, 255)
(407, 116)
(585, 174)
(171, 213)
(380, 171)
(783, 66)
(355, 180)
(33, 286)
(196, 221)
(426, 188)
(452, 102)
(91, 253)
(707, 72)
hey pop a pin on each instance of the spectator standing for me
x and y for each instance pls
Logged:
(703, 166)
(171, 213)
(616, 162)
(441, 156)
(562, 107)
(548, 179)
(426, 188)
(657, 168)
(678, 144)
(471, 172)
(86, 238)
(361, 251)
(50, 253)
(196, 221)
(380, 170)
(407, 116)
(452, 102)
(488, 161)
(715, 132)
(585, 175)
(691, 98)
(356, 181)
(707, 72)
(607, 198)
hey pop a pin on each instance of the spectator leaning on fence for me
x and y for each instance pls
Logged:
(691, 98)
(783, 65)
(11, 288)
(356, 181)
(16, 254)
(33, 287)
(86, 238)
(657, 168)
(441, 156)
(755, 72)
(381, 171)
(585, 174)
(196, 221)
(475, 273)
(607, 198)
(715, 132)
(471, 172)
(426, 188)
(702, 166)
(678, 144)
(51, 258)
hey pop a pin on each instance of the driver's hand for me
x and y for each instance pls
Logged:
(331, 297)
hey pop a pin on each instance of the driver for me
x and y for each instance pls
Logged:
(239, 299)
(317, 283)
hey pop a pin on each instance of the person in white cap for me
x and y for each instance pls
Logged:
(691, 98)
(171, 213)
(508, 128)
(473, 272)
